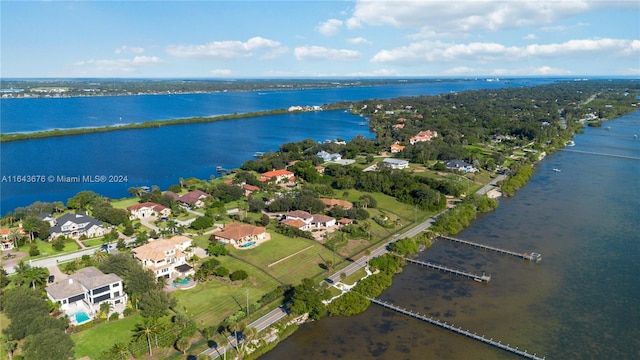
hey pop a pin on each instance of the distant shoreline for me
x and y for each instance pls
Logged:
(132, 126)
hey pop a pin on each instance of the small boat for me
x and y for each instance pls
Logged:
(556, 170)
(571, 143)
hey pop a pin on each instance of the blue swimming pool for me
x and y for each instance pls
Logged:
(250, 243)
(181, 282)
(82, 317)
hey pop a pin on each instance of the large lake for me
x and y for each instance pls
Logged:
(160, 156)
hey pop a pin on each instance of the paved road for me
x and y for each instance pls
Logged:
(279, 313)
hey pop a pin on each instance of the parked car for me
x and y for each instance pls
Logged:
(51, 279)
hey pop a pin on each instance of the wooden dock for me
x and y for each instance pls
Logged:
(475, 277)
(533, 257)
(458, 330)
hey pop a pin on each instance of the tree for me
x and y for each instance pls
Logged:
(238, 275)
(119, 350)
(105, 308)
(145, 330)
(14, 236)
(48, 344)
(155, 303)
(182, 344)
(82, 200)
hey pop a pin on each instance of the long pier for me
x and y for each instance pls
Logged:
(478, 278)
(458, 330)
(534, 257)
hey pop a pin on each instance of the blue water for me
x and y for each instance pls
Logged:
(580, 302)
(250, 243)
(82, 317)
(181, 282)
(160, 156)
(32, 114)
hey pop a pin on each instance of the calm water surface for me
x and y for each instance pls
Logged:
(580, 302)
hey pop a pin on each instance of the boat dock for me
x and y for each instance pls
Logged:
(475, 277)
(534, 257)
(458, 330)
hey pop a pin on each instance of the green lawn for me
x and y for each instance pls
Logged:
(96, 340)
(210, 302)
(47, 250)
(125, 202)
(290, 271)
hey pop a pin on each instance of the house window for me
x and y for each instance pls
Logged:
(115, 285)
(116, 294)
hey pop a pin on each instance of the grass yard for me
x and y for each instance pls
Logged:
(306, 264)
(96, 340)
(210, 302)
(125, 202)
(47, 250)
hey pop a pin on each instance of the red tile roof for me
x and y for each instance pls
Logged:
(237, 231)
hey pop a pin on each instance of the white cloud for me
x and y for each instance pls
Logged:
(379, 72)
(330, 27)
(129, 49)
(353, 23)
(461, 70)
(359, 41)
(322, 53)
(539, 71)
(438, 51)
(471, 15)
(116, 66)
(530, 37)
(220, 72)
(228, 49)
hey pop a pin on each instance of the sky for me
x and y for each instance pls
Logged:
(308, 39)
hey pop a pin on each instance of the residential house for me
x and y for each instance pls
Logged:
(423, 136)
(239, 234)
(194, 198)
(6, 243)
(278, 175)
(298, 217)
(345, 222)
(322, 221)
(249, 189)
(460, 166)
(327, 157)
(84, 291)
(296, 223)
(396, 148)
(396, 163)
(331, 203)
(76, 225)
(48, 218)
(147, 209)
(166, 258)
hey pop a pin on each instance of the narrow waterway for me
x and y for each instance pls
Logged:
(580, 302)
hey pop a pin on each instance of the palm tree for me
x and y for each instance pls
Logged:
(105, 308)
(144, 330)
(99, 257)
(120, 350)
(249, 334)
(14, 236)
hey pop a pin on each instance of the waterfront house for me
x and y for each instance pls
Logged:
(76, 225)
(239, 234)
(298, 217)
(194, 198)
(396, 163)
(166, 257)
(84, 291)
(147, 209)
